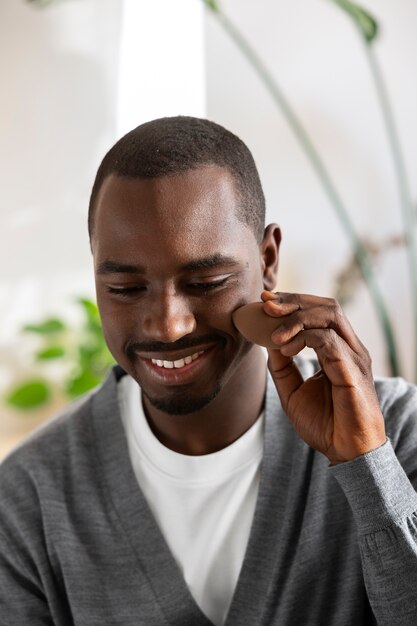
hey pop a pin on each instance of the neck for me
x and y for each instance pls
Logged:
(226, 418)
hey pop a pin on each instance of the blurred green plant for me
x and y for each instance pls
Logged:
(82, 351)
(43, 3)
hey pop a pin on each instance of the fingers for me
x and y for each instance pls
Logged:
(281, 297)
(301, 312)
(317, 323)
(342, 366)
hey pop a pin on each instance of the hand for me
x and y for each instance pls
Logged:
(336, 411)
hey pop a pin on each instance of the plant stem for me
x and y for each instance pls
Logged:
(409, 217)
(360, 253)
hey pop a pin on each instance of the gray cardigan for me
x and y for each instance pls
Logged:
(79, 545)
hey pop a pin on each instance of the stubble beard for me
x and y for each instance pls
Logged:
(182, 404)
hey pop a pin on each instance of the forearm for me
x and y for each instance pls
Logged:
(384, 504)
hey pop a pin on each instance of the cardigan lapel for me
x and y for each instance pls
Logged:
(285, 455)
(156, 560)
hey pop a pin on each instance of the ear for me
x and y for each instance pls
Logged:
(270, 255)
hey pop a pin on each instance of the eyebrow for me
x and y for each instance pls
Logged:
(217, 260)
(113, 267)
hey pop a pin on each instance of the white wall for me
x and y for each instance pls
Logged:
(315, 55)
(161, 61)
(57, 116)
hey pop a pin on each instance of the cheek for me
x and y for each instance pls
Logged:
(117, 322)
(217, 312)
(111, 332)
(218, 319)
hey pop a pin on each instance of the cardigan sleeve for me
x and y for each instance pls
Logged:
(21, 598)
(24, 568)
(379, 488)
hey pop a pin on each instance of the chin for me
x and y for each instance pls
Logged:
(182, 404)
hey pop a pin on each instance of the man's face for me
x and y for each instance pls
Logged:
(172, 262)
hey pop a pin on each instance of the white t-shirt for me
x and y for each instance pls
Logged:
(204, 505)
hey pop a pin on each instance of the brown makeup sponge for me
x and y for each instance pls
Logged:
(255, 325)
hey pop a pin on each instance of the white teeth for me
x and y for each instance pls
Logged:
(179, 363)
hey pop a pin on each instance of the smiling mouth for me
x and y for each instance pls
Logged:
(179, 363)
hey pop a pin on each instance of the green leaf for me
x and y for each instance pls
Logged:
(53, 352)
(29, 395)
(52, 325)
(106, 358)
(88, 354)
(92, 315)
(90, 309)
(212, 5)
(82, 383)
(363, 20)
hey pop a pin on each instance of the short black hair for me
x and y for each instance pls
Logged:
(172, 145)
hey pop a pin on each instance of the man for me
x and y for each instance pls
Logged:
(194, 487)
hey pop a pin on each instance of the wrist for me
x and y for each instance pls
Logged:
(356, 451)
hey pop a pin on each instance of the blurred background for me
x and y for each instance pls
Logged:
(324, 97)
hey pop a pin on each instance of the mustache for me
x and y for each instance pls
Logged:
(181, 344)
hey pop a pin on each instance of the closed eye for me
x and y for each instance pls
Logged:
(125, 291)
(207, 286)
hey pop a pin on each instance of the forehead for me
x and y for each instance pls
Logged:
(195, 211)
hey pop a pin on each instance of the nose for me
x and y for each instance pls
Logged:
(168, 318)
